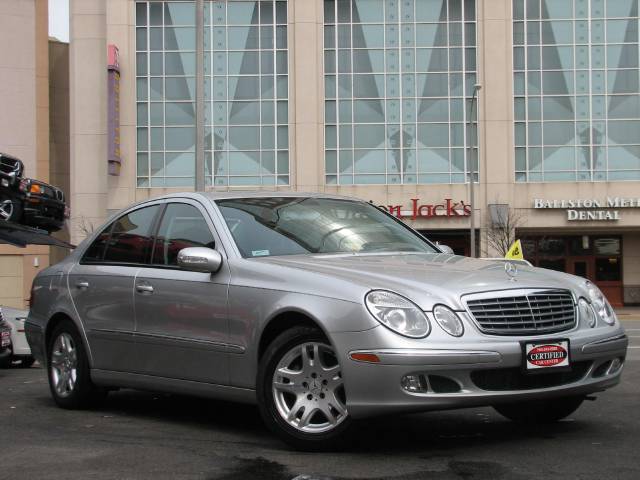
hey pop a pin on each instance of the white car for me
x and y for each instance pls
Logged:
(20, 350)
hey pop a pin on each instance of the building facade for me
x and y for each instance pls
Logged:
(373, 99)
(24, 125)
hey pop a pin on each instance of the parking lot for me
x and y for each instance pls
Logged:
(145, 435)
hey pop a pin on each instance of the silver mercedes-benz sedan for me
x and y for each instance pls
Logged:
(321, 309)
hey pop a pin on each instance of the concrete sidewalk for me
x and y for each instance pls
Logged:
(628, 313)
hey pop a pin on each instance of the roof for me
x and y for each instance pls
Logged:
(213, 195)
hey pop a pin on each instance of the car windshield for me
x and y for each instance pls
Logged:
(290, 225)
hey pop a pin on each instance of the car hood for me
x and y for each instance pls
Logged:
(427, 279)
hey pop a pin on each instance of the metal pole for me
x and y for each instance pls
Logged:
(199, 95)
(472, 221)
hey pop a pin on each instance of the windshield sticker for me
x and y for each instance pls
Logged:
(259, 253)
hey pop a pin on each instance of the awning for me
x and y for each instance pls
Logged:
(21, 236)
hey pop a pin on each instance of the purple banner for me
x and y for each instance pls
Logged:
(113, 101)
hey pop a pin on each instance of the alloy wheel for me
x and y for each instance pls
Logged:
(64, 365)
(308, 388)
(6, 209)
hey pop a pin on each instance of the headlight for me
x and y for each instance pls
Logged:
(397, 313)
(587, 314)
(448, 320)
(600, 304)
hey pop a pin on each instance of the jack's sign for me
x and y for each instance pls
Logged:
(447, 209)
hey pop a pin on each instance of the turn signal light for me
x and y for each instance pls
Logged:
(35, 189)
(365, 357)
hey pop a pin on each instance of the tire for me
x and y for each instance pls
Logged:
(68, 369)
(540, 411)
(10, 209)
(306, 406)
(5, 362)
(27, 362)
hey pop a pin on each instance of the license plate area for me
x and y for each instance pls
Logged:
(541, 356)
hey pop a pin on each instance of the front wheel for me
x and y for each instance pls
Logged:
(540, 411)
(10, 209)
(301, 392)
(68, 368)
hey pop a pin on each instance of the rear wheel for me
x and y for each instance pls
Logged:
(68, 368)
(301, 391)
(540, 411)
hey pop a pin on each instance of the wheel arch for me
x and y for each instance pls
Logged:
(284, 321)
(57, 318)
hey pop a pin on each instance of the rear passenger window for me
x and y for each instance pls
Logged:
(182, 226)
(130, 240)
(95, 252)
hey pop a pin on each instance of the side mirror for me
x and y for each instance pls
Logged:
(200, 259)
(446, 249)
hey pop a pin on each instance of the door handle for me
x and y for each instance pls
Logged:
(144, 288)
(82, 284)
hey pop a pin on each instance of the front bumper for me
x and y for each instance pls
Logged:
(479, 370)
(41, 211)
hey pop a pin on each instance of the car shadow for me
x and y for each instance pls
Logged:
(424, 434)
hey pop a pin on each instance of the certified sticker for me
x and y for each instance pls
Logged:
(547, 355)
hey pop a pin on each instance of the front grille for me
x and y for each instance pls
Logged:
(527, 312)
(502, 379)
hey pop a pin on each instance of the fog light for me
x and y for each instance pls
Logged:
(615, 367)
(413, 383)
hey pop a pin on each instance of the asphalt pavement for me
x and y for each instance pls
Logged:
(144, 435)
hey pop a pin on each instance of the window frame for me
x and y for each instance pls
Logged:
(208, 220)
(110, 227)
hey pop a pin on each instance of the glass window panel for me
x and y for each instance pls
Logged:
(156, 136)
(155, 13)
(180, 113)
(180, 88)
(141, 14)
(180, 63)
(242, 38)
(244, 63)
(623, 81)
(179, 13)
(244, 138)
(180, 138)
(368, 136)
(180, 38)
(242, 13)
(622, 31)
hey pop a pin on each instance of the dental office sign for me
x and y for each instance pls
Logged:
(589, 209)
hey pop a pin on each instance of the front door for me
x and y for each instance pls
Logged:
(182, 327)
(604, 272)
(581, 266)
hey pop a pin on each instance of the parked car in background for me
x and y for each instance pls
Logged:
(19, 348)
(5, 343)
(321, 309)
(29, 201)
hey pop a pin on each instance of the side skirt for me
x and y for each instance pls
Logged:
(109, 378)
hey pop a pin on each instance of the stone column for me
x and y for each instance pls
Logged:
(306, 95)
(88, 112)
(495, 135)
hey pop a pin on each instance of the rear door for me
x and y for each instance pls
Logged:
(181, 316)
(101, 286)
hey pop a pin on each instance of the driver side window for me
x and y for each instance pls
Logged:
(182, 226)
